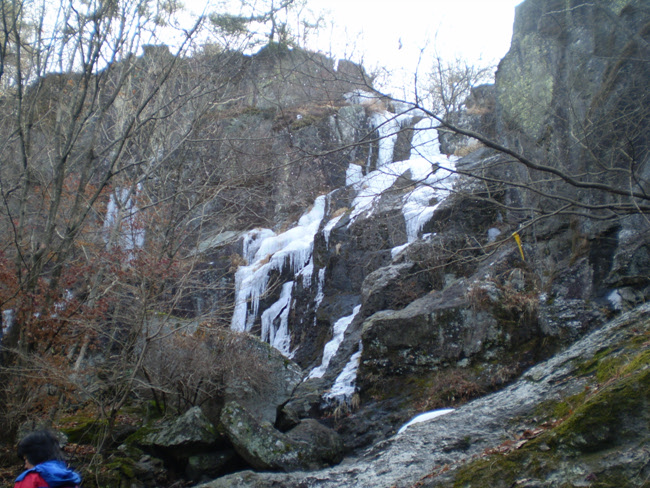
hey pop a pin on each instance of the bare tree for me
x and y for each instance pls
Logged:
(96, 119)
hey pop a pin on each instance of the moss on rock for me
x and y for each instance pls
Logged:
(599, 430)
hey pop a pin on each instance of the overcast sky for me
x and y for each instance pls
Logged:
(399, 34)
(393, 33)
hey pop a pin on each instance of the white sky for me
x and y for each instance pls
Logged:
(392, 33)
(399, 34)
(472, 28)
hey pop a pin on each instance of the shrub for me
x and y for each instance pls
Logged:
(186, 370)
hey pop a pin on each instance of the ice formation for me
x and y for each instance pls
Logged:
(121, 217)
(423, 417)
(338, 332)
(432, 175)
(345, 384)
(265, 252)
(277, 334)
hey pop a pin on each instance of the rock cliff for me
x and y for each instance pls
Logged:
(435, 308)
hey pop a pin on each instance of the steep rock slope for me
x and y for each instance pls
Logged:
(581, 416)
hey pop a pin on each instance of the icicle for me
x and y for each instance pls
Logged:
(387, 126)
(332, 346)
(120, 217)
(345, 383)
(278, 336)
(266, 252)
(319, 294)
(307, 273)
(327, 230)
(250, 285)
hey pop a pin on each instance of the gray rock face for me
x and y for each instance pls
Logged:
(491, 313)
(392, 287)
(307, 446)
(562, 100)
(191, 430)
(434, 307)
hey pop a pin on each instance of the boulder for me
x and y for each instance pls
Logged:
(281, 377)
(392, 287)
(263, 447)
(190, 431)
(304, 402)
(440, 328)
(190, 440)
(323, 444)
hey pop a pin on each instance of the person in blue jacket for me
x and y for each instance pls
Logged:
(44, 462)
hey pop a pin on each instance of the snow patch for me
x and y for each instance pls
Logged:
(424, 417)
(360, 97)
(616, 300)
(327, 230)
(493, 233)
(396, 250)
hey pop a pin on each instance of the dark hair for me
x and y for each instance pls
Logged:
(40, 446)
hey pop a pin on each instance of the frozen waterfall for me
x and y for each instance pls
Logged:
(338, 332)
(432, 175)
(265, 251)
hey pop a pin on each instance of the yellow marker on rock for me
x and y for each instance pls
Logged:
(515, 234)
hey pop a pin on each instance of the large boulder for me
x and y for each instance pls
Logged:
(307, 446)
(324, 445)
(190, 440)
(280, 378)
(493, 313)
(190, 432)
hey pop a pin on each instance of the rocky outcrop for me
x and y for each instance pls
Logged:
(460, 308)
(262, 397)
(190, 442)
(568, 94)
(580, 416)
(441, 304)
(309, 445)
(190, 431)
(278, 76)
